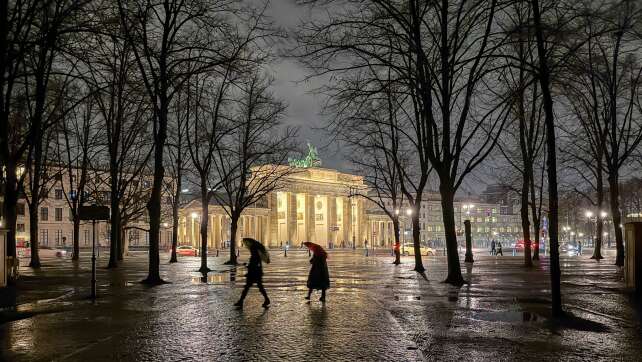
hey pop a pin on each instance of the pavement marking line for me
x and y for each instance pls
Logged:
(80, 350)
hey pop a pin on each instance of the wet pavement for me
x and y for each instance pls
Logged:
(374, 311)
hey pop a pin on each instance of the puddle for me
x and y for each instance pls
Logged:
(213, 278)
(508, 316)
(407, 297)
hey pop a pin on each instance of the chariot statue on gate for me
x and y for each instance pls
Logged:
(311, 160)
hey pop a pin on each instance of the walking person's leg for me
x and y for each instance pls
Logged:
(246, 289)
(266, 300)
(322, 299)
(309, 294)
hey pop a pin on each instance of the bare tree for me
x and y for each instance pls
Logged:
(111, 77)
(167, 36)
(444, 53)
(250, 159)
(176, 150)
(207, 124)
(31, 34)
(523, 139)
(619, 97)
(544, 77)
(76, 150)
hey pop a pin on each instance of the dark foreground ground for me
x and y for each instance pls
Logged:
(375, 311)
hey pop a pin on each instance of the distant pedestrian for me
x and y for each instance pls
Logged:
(319, 277)
(492, 247)
(579, 247)
(258, 253)
(499, 249)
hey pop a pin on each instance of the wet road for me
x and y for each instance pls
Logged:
(375, 311)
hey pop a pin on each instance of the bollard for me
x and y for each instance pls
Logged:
(216, 251)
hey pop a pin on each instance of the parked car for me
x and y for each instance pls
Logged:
(60, 252)
(519, 245)
(568, 249)
(23, 248)
(409, 249)
(186, 250)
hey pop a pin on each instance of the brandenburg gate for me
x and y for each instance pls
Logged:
(310, 204)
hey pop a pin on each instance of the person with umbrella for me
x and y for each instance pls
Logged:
(258, 253)
(319, 278)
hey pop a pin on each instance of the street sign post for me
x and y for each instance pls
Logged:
(93, 213)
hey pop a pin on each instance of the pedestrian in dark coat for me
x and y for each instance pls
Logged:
(492, 247)
(499, 249)
(255, 270)
(319, 277)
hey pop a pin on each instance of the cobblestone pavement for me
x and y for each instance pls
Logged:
(375, 311)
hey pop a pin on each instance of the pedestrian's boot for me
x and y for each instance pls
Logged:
(266, 303)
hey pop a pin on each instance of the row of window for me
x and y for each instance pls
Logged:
(44, 214)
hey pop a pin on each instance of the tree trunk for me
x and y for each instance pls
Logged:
(10, 205)
(536, 219)
(234, 225)
(551, 161)
(175, 208)
(121, 241)
(416, 230)
(447, 206)
(33, 233)
(614, 189)
(597, 248)
(154, 210)
(114, 232)
(35, 186)
(526, 226)
(173, 258)
(204, 225)
(397, 248)
(76, 236)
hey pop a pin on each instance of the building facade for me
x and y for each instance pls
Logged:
(488, 221)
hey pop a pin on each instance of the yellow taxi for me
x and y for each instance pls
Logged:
(409, 249)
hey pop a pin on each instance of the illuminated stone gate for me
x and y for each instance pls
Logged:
(311, 204)
(315, 204)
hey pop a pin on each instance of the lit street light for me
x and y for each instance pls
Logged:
(409, 213)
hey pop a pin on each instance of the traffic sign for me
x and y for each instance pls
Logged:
(93, 212)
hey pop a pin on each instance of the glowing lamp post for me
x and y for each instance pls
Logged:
(409, 213)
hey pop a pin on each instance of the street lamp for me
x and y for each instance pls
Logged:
(589, 216)
(603, 214)
(409, 213)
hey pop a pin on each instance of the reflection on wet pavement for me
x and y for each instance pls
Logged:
(374, 311)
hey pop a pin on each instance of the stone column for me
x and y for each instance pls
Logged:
(309, 218)
(291, 217)
(347, 221)
(272, 221)
(331, 212)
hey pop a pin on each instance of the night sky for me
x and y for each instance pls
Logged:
(304, 107)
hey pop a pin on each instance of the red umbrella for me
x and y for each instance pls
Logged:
(316, 249)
